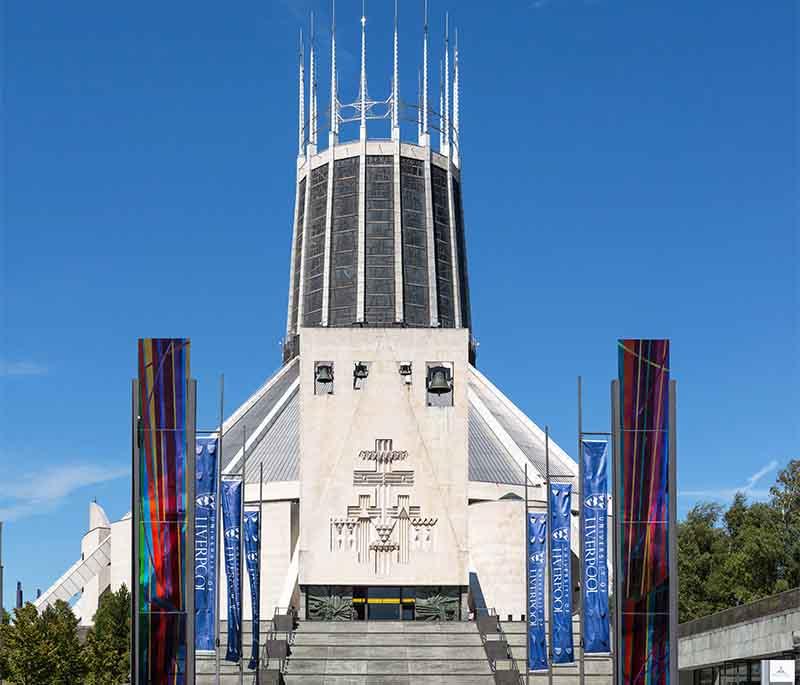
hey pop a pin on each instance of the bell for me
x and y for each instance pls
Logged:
(324, 373)
(360, 372)
(405, 369)
(438, 380)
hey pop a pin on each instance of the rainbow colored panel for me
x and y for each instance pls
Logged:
(643, 475)
(161, 500)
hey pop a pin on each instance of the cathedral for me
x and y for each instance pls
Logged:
(389, 470)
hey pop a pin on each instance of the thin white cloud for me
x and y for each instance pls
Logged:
(22, 368)
(49, 487)
(749, 488)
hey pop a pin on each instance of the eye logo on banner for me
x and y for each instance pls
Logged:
(594, 565)
(206, 501)
(561, 573)
(537, 640)
(205, 540)
(595, 501)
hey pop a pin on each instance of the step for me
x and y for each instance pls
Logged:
(303, 639)
(388, 667)
(384, 651)
(331, 679)
(387, 627)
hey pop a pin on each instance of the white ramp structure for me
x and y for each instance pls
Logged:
(89, 576)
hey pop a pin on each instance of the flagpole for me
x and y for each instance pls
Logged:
(135, 519)
(242, 558)
(527, 573)
(616, 564)
(548, 559)
(191, 513)
(581, 533)
(218, 515)
(258, 551)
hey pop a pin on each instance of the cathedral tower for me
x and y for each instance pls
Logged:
(378, 236)
(379, 316)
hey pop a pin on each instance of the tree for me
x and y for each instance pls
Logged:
(108, 642)
(67, 663)
(702, 545)
(43, 649)
(786, 491)
(25, 646)
(742, 554)
(786, 499)
(5, 620)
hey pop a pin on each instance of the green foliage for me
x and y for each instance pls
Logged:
(742, 554)
(107, 648)
(64, 650)
(24, 647)
(5, 620)
(43, 649)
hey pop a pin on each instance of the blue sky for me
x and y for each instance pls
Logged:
(629, 170)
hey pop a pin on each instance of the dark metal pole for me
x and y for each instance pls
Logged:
(581, 581)
(219, 537)
(673, 533)
(548, 558)
(527, 604)
(616, 564)
(191, 503)
(2, 606)
(242, 557)
(258, 580)
(135, 517)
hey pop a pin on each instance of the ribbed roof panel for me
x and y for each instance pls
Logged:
(260, 404)
(531, 444)
(489, 461)
(279, 449)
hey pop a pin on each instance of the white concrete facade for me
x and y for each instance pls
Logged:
(338, 542)
(463, 525)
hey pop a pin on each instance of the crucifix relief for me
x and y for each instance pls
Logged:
(383, 527)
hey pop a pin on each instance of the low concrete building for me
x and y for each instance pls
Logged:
(728, 647)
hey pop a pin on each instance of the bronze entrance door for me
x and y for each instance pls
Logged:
(384, 603)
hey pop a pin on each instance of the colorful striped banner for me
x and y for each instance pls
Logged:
(643, 580)
(162, 465)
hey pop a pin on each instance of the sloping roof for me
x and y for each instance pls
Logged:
(259, 418)
(489, 460)
(279, 449)
(517, 428)
(501, 437)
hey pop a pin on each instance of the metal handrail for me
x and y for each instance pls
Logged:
(273, 634)
(491, 611)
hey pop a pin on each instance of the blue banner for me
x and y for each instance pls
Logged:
(561, 572)
(205, 543)
(537, 553)
(594, 565)
(252, 555)
(231, 518)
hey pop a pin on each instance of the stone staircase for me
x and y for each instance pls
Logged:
(394, 653)
(598, 670)
(387, 653)
(205, 664)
